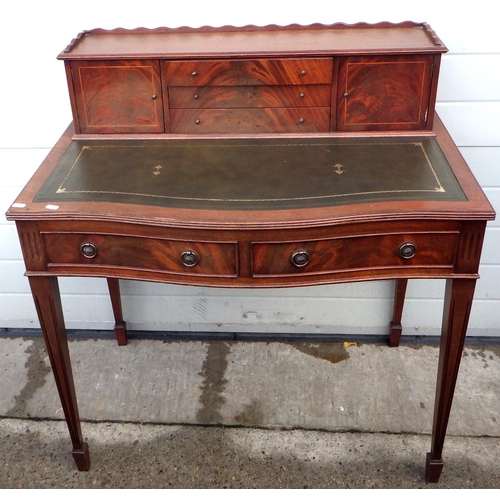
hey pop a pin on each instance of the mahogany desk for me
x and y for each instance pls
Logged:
(255, 209)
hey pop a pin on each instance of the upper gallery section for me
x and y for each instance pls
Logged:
(254, 80)
(336, 39)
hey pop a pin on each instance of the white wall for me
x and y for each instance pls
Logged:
(34, 109)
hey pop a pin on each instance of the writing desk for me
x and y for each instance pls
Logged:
(252, 209)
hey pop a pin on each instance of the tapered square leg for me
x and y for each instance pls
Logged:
(457, 306)
(120, 325)
(47, 299)
(396, 329)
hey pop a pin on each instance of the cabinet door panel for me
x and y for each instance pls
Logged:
(384, 93)
(118, 96)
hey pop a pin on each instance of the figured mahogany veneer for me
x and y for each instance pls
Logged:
(250, 96)
(384, 93)
(119, 98)
(129, 252)
(356, 253)
(255, 120)
(248, 72)
(254, 157)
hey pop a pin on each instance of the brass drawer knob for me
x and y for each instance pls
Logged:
(88, 249)
(407, 250)
(300, 258)
(189, 258)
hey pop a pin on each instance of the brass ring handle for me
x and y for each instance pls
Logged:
(190, 258)
(407, 250)
(88, 249)
(300, 258)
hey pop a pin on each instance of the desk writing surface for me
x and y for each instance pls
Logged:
(252, 174)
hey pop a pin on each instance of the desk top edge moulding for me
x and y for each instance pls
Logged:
(271, 156)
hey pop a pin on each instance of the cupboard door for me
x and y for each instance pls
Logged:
(384, 93)
(118, 96)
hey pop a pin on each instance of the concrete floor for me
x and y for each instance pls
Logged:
(221, 414)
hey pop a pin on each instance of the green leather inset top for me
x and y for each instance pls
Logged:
(252, 174)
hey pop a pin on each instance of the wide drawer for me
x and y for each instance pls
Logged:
(354, 253)
(245, 120)
(173, 256)
(250, 96)
(249, 72)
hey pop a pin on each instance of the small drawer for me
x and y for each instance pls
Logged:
(249, 120)
(249, 72)
(111, 251)
(251, 96)
(354, 253)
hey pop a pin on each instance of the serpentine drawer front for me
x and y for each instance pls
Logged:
(110, 251)
(254, 157)
(363, 252)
